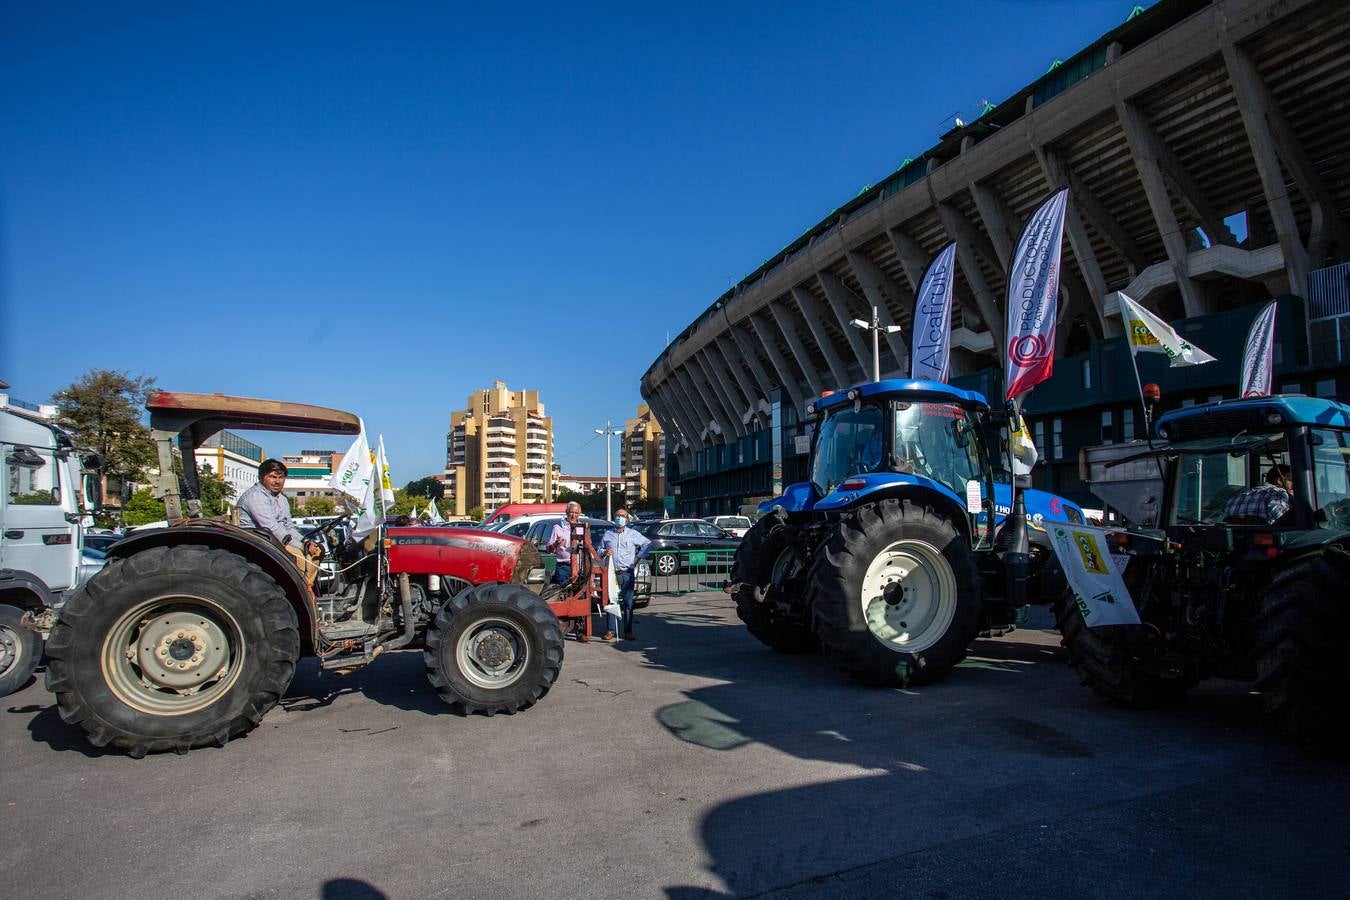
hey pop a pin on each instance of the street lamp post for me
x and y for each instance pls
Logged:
(608, 432)
(876, 328)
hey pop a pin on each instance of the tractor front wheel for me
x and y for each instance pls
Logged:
(896, 594)
(762, 561)
(494, 648)
(172, 648)
(1114, 660)
(1303, 654)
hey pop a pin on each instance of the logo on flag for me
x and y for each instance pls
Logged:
(930, 356)
(1258, 359)
(1033, 297)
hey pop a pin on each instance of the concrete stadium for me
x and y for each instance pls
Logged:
(1207, 148)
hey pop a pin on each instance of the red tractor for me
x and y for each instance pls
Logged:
(191, 633)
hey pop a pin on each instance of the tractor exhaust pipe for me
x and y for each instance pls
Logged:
(405, 637)
(1014, 549)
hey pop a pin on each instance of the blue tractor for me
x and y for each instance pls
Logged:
(1241, 572)
(903, 546)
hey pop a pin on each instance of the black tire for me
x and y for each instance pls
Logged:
(835, 593)
(1107, 660)
(260, 641)
(20, 649)
(1303, 654)
(503, 623)
(761, 551)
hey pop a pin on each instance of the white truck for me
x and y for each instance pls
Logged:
(50, 490)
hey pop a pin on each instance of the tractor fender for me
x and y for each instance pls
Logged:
(477, 557)
(902, 487)
(251, 546)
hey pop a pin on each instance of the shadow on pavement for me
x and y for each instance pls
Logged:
(350, 889)
(397, 679)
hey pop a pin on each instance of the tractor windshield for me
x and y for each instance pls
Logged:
(1331, 477)
(1233, 481)
(850, 443)
(937, 440)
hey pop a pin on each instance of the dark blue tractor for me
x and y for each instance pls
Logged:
(900, 549)
(1244, 572)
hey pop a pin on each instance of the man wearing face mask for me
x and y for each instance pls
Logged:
(625, 546)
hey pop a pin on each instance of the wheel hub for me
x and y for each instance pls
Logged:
(9, 649)
(493, 651)
(909, 595)
(171, 655)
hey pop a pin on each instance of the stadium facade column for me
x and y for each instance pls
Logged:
(1057, 176)
(1261, 119)
(735, 364)
(674, 407)
(676, 441)
(741, 344)
(959, 230)
(722, 392)
(811, 314)
(788, 328)
(785, 376)
(879, 288)
(997, 219)
(1145, 152)
(710, 431)
(722, 410)
(838, 294)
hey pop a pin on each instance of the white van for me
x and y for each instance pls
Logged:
(49, 491)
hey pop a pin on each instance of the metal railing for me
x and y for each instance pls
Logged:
(683, 571)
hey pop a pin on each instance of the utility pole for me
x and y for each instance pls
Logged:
(608, 432)
(876, 328)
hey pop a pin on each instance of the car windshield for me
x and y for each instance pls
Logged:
(645, 528)
(937, 440)
(849, 444)
(1217, 480)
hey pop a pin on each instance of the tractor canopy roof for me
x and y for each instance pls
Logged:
(207, 414)
(1252, 414)
(903, 389)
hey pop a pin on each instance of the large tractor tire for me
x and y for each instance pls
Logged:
(19, 650)
(1107, 660)
(494, 648)
(763, 556)
(172, 648)
(1303, 654)
(896, 594)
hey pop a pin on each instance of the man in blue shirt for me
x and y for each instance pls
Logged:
(625, 546)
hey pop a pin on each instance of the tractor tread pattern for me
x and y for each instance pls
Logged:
(1103, 661)
(752, 567)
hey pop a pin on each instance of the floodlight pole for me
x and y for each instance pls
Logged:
(608, 432)
(876, 328)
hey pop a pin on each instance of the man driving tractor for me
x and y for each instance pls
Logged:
(263, 508)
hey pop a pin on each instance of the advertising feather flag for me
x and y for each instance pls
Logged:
(1258, 358)
(1146, 333)
(930, 353)
(1033, 298)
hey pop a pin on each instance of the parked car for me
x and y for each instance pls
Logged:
(542, 527)
(520, 526)
(673, 538)
(510, 512)
(737, 525)
(101, 541)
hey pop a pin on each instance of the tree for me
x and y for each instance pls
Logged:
(427, 488)
(141, 509)
(103, 411)
(476, 513)
(216, 492)
(567, 495)
(318, 506)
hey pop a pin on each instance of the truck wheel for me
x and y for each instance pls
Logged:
(1303, 655)
(172, 648)
(494, 648)
(19, 650)
(762, 558)
(896, 594)
(1108, 660)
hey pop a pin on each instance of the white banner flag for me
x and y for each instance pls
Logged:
(1258, 359)
(1148, 333)
(353, 475)
(434, 514)
(1093, 575)
(930, 352)
(1033, 298)
(386, 483)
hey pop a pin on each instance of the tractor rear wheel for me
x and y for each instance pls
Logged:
(172, 648)
(762, 559)
(896, 594)
(1107, 659)
(1303, 654)
(19, 650)
(494, 648)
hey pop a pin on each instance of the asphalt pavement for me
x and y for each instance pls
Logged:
(690, 763)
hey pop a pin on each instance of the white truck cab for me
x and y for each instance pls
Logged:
(49, 489)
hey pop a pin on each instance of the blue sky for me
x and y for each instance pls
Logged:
(382, 207)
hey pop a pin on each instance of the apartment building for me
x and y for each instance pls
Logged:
(643, 459)
(499, 450)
